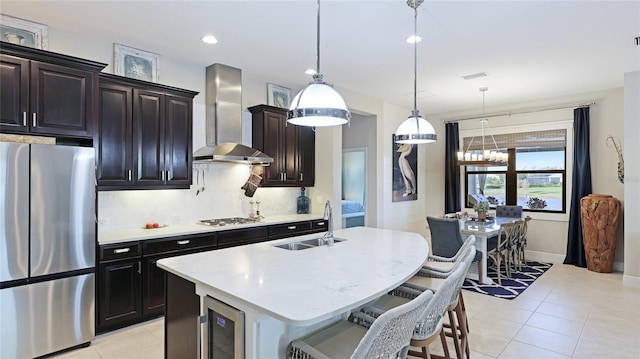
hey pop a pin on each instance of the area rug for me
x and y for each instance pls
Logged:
(511, 287)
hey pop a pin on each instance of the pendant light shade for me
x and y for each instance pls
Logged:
(318, 104)
(415, 129)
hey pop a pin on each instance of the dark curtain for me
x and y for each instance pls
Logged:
(581, 186)
(451, 170)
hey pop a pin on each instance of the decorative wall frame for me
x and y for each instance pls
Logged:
(278, 96)
(405, 172)
(24, 32)
(135, 63)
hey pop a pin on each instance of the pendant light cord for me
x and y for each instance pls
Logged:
(415, 59)
(318, 44)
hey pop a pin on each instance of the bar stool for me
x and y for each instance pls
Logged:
(363, 336)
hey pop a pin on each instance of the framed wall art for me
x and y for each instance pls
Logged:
(135, 63)
(405, 172)
(24, 32)
(278, 96)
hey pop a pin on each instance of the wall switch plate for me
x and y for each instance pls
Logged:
(103, 220)
(175, 217)
(319, 199)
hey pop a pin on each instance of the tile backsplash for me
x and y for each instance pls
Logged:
(222, 197)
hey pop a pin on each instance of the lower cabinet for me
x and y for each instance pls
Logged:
(119, 292)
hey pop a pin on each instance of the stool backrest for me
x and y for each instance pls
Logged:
(391, 332)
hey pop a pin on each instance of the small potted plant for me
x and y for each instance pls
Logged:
(481, 208)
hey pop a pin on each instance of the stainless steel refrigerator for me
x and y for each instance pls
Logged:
(47, 248)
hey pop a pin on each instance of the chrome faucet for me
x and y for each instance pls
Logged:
(328, 216)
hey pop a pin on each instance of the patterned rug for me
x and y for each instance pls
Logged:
(511, 287)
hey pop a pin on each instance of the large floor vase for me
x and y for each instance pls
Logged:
(600, 216)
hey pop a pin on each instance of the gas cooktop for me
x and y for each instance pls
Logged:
(219, 222)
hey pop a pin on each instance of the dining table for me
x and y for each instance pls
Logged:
(482, 230)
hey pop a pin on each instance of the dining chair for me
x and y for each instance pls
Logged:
(457, 215)
(499, 248)
(363, 336)
(430, 326)
(446, 240)
(509, 211)
(521, 243)
(457, 326)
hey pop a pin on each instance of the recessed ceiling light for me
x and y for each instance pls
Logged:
(475, 76)
(209, 39)
(310, 71)
(413, 39)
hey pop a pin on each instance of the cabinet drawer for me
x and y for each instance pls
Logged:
(289, 229)
(320, 225)
(238, 237)
(119, 251)
(179, 243)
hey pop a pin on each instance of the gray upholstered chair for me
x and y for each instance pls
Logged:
(430, 326)
(509, 211)
(387, 336)
(446, 240)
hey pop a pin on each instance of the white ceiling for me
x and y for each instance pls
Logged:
(530, 49)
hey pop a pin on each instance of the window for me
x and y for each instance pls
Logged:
(534, 178)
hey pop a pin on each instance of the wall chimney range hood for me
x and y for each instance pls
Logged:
(224, 120)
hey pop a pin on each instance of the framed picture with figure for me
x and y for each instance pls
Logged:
(405, 172)
(135, 63)
(24, 32)
(278, 96)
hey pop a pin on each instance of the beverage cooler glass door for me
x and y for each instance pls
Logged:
(224, 334)
(14, 211)
(62, 209)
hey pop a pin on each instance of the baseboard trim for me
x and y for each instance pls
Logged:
(559, 258)
(630, 281)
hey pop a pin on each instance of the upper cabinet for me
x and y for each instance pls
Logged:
(46, 93)
(292, 148)
(144, 138)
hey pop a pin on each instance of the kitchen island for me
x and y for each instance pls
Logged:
(285, 294)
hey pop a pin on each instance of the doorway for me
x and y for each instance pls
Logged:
(354, 187)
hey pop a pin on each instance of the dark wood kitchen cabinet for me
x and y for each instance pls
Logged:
(153, 278)
(144, 137)
(292, 148)
(46, 93)
(119, 286)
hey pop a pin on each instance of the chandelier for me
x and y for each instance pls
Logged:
(487, 157)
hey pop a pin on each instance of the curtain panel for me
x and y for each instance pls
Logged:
(580, 184)
(452, 169)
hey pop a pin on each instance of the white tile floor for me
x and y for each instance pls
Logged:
(569, 312)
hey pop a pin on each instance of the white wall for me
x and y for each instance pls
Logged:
(632, 178)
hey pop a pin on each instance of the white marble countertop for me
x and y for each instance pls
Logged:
(136, 234)
(307, 286)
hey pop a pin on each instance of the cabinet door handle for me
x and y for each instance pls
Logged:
(24, 119)
(121, 250)
(285, 176)
(186, 241)
(162, 174)
(320, 223)
(301, 176)
(33, 120)
(291, 227)
(139, 267)
(129, 175)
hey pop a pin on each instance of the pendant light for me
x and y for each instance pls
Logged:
(486, 157)
(415, 129)
(318, 104)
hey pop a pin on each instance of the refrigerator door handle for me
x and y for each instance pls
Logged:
(24, 119)
(34, 121)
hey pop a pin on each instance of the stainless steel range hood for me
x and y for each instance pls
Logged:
(224, 119)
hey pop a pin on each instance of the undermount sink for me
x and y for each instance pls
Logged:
(307, 243)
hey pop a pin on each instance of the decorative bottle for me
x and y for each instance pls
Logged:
(303, 202)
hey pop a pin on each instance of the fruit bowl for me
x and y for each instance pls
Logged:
(154, 226)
